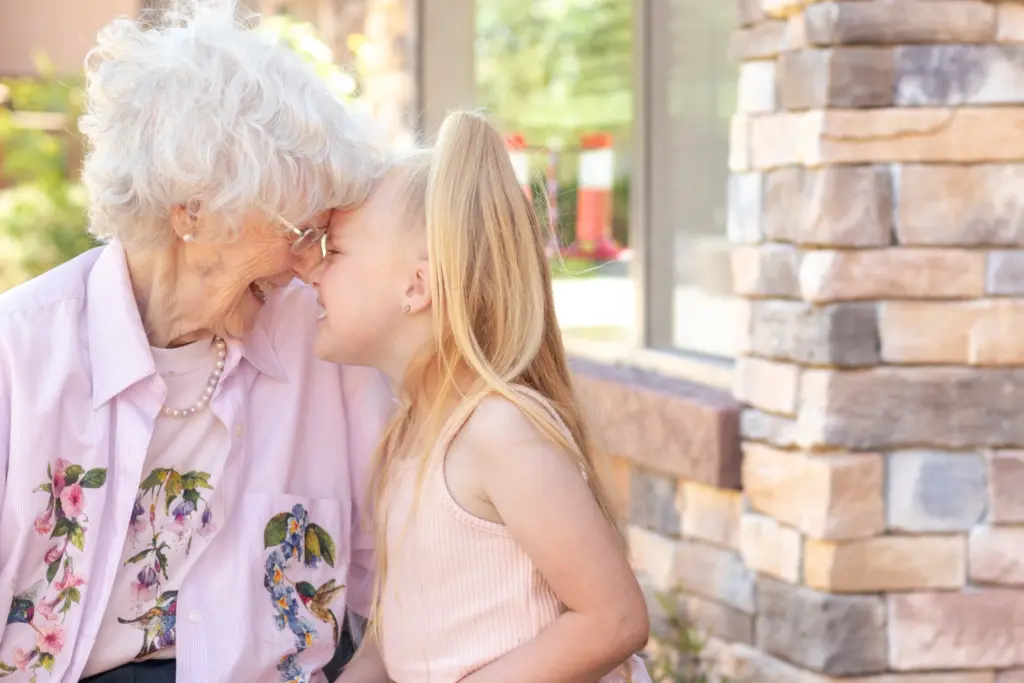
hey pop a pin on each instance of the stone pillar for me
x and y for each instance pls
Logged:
(877, 215)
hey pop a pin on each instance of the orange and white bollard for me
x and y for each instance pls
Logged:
(520, 159)
(595, 180)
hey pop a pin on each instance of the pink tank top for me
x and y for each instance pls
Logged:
(459, 591)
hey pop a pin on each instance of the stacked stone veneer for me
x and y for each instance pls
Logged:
(877, 211)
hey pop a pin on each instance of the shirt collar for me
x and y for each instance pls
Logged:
(259, 350)
(118, 346)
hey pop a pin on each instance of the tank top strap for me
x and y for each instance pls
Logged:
(465, 410)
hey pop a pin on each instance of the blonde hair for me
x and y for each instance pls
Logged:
(493, 309)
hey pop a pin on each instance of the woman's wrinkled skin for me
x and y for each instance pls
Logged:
(197, 287)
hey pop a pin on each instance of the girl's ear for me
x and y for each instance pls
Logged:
(418, 297)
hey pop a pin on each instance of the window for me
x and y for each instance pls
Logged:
(688, 96)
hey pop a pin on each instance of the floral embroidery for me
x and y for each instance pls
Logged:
(295, 539)
(182, 498)
(44, 605)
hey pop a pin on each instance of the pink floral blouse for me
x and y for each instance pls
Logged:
(79, 396)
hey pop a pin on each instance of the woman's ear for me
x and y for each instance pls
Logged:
(418, 296)
(185, 219)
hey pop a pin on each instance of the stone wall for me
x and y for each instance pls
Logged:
(877, 207)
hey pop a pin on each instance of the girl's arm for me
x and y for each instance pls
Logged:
(367, 665)
(540, 495)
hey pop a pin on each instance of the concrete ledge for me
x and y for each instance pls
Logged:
(667, 424)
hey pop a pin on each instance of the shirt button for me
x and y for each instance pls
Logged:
(195, 616)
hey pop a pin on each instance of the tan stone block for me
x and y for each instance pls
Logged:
(756, 87)
(886, 563)
(891, 274)
(1010, 29)
(995, 337)
(926, 332)
(1005, 484)
(891, 407)
(745, 207)
(997, 555)
(826, 496)
(865, 136)
(831, 206)
(847, 78)
(977, 629)
(767, 384)
(770, 548)
(652, 555)
(961, 205)
(711, 514)
(765, 270)
(782, 139)
(961, 135)
(1012, 676)
(758, 41)
(906, 21)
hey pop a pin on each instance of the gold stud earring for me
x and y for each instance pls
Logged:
(406, 308)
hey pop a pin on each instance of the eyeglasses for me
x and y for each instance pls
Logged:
(306, 237)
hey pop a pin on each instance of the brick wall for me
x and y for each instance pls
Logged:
(877, 211)
(873, 528)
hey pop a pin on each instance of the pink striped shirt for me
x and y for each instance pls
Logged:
(79, 396)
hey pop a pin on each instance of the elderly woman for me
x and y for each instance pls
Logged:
(180, 479)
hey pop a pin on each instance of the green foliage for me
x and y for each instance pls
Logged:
(301, 37)
(678, 648)
(556, 67)
(42, 212)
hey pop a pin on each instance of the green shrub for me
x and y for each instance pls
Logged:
(678, 649)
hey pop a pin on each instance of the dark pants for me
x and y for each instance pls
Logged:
(162, 670)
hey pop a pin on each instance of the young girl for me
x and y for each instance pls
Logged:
(498, 556)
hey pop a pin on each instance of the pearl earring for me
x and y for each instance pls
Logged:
(188, 237)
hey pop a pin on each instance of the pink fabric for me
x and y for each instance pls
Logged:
(459, 591)
(78, 399)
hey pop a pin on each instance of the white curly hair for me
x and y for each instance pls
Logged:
(191, 102)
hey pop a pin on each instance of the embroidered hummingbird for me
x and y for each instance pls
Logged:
(156, 624)
(318, 601)
(23, 606)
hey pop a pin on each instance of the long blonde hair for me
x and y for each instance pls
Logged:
(492, 307)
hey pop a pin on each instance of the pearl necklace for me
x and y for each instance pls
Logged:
(211, 385)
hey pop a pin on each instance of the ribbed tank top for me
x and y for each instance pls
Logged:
(459, 591)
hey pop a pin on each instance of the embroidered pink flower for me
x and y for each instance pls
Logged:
(23, 658)
(50, 639)
(44, 521)
(69, 580)
(59, 478)
(47, 609)
(72, 500)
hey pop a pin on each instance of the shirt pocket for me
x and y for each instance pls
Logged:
(298, 558)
